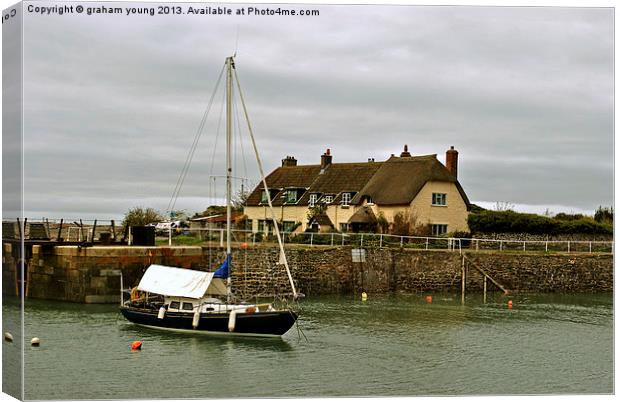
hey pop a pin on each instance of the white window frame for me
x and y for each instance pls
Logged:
(291, 196)
(435, 229)
(439, 199)
(264, 198)
(346, 199)
(313, 199)
(328, 199)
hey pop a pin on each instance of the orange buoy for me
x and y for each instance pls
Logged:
(136, 345)
(510, 304)
(244, 245)
(429, 299)
(251, 310)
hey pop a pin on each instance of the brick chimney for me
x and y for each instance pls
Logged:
(405, 152)
(452, 160)
(289, 161)
(326, 159)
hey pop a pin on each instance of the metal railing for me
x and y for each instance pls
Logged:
(361, 240)
(376, 240)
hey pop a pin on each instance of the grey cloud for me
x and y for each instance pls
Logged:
(525, 95)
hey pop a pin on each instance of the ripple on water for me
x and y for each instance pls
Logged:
(385, 346)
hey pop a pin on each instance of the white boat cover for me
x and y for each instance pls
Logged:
(179, 282)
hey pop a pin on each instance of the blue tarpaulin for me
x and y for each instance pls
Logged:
(224, 270)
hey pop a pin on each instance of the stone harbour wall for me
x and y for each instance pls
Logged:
(93, 274)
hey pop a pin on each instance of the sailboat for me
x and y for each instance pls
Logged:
(185, 300)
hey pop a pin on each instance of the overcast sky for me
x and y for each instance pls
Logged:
(112, 103)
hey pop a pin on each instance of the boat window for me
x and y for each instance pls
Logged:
(175, 305)
(188, 306)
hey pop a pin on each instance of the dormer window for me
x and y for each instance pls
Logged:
(313, 199)
(291, 196)
(346, 199)
(263, 197)
(328, 199)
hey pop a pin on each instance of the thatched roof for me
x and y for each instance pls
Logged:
(396, 181)
(400, 179)
(322, 220)
(363, 215)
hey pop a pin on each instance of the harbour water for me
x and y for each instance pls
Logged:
(386, 346)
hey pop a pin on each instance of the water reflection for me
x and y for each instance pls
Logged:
(388, 345)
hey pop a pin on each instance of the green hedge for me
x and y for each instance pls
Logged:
(515, 222)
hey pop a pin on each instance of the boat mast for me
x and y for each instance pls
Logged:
(283, 259)
(230, 64)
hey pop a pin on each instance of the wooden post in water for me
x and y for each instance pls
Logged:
(485, 290)
(58, 238)
(463, 280)
(92, 236)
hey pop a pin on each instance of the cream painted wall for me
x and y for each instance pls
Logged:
(337, 214)
(454, 214)
(287, 213)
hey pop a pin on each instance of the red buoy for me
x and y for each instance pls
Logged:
(244, 245)
(136, 345)
(429, 299)
(510, 304)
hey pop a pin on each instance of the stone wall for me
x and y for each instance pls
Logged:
(92, 275)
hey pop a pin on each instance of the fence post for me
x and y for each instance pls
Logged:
(332, 241)
(221, 237)
(401, 242)
(381, 240)
(500, 245)
(342, 235)
(546, 247)
(311, 238)
(590, 246)
(253, 238)
(568, 242)
(477, 245)
(362, 241)
(426, 244)
(523, 245)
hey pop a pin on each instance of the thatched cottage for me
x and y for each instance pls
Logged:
(356, 195)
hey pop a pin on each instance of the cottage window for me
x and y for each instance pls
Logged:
(313, 199)
(439, 229)
(346, 199)
(288, 226)
(263, 197)
(328, 199)
(261, 225)
(439, 199)
(291, 196)
(344, 227)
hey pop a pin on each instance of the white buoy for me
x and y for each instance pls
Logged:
(162, 313)
(8, 337)
(364, 296)
(35, 341)
(196, 319)
(232, 320)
